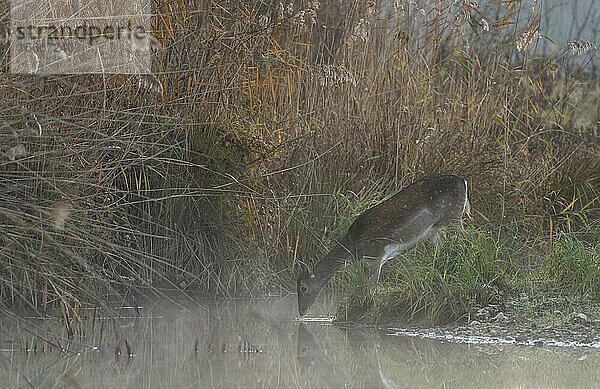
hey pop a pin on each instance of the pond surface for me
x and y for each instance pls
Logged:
(261, 344)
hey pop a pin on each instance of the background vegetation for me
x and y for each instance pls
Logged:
(266, 127)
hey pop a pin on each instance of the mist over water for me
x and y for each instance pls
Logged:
(260, 344)
(109, 230)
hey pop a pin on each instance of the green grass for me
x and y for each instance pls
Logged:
(572, 266)
(432, 283)
(440, 284)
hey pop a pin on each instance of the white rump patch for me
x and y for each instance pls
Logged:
(466, 206)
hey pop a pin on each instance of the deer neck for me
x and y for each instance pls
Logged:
(334, 261)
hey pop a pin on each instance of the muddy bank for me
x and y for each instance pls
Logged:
(532, 320)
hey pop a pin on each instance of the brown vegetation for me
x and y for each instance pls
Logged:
(265, 124)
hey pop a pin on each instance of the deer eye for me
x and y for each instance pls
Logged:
(303, 289)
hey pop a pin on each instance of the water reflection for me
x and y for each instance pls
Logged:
(258, 344)
(315, 366)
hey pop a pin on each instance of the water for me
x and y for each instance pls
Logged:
(261, 344)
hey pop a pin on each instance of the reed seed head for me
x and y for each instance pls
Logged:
(581, 47)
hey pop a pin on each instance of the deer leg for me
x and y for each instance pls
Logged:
(379, 267)
(373, 267)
